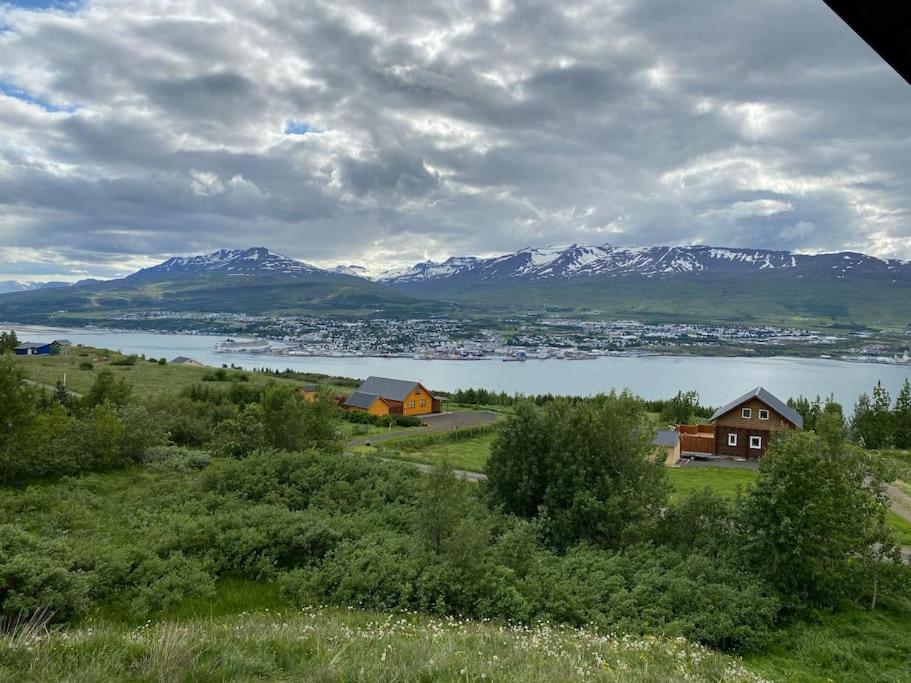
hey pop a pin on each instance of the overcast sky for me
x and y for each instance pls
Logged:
(387, 132)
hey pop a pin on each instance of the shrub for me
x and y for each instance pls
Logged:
(86, 365)
(38, 574)
(175, 458)
(583, 466)
(141, 431)
(813, 524)
(108, 388)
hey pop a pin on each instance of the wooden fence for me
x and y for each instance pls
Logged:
(697, 438)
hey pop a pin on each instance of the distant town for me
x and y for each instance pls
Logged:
(517, 338)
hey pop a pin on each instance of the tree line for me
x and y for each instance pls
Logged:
(877, 421)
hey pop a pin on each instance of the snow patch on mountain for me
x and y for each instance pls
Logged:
(252, 261)
(575, 261)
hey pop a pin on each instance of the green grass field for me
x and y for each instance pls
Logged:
(146, 377)
(723, 480)
(465, 454)
(853, 645)
(350, 645)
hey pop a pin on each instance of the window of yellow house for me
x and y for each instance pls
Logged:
(411, 404)
(423, 403)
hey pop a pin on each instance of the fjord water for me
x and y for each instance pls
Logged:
(717, 380)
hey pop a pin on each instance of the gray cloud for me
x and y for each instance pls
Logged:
(437, 128)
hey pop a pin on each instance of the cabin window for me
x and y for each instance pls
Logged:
(411, 404)
(732, 439)
(763, 414)
(423, 403)
(746, 413)
(756, 442)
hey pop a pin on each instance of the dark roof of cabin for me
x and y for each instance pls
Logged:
(394, 389)
(666, 437)
(360, 399)
(33, 345)
(769, 399)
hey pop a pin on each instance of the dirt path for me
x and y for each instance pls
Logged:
(901, 502)
(51, 387)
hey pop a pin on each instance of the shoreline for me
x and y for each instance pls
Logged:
(417, 356)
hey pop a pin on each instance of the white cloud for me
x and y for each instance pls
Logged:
(442, 128)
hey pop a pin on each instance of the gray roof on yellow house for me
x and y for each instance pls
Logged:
(667, 438)
(393, 389)
(360, 399)
(769, 399)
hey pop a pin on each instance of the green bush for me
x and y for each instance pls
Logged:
(582, 466)
(175, 458)
(86, 365)
(38, 574)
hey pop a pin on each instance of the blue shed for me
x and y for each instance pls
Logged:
(35, 349)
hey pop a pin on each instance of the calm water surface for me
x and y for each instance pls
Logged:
(718, 380)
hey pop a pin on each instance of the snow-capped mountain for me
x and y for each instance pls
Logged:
(578, 261)
(7, 286)
(251, 262)
(352, 270)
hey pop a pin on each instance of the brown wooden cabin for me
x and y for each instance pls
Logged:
(743, 427)
(384, 396)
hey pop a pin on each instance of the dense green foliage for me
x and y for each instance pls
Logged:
(582, 466)
(877, 424)
(814, 523)
(682, 409)
(53, 434)
(244, 481)
(811, 410)
(360, 417)
(8, 341)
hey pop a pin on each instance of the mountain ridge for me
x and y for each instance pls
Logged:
(584, 261)
(694, 283)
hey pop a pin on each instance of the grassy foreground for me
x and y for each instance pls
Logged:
(350, 645)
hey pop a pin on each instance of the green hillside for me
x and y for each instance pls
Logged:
(870, 303)
(767, 299)
(337, 295)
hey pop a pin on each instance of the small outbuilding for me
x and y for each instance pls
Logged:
(37, 348)
(667, 446)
